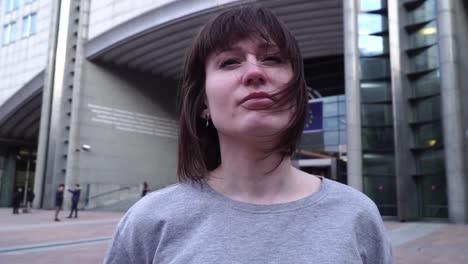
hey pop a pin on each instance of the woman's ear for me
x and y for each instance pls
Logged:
(206, 110)
(205, 113)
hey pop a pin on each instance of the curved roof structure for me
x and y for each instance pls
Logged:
(20, 114)
(156, 41)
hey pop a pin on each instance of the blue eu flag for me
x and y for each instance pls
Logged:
(314, 117)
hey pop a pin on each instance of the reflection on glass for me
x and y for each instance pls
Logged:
(25, 26)
(371, 23)
(330, 123)
(426, 60)
(330, 109)
(427, 109)
(342, 123)
(371, 5)
(375, 91)
(423, 37)
(373, 68)
(381, 189)
(5, 35)
(372, 45)
(430, 162)
(377, 115)
(425, 12)
(329, 99)
(432, 191)
(331, 137)
(377, 138)
(32, 30)
(427, 84)
(428, 135)
(343, 137)
(378, 163)
(13, 32)
(342, 107)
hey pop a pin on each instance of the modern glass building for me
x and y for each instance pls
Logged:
(405, 68)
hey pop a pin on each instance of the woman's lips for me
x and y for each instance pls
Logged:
(257, 100)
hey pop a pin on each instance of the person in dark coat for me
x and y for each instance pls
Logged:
(145, 189)
(17, 197)
(75, 199)
(58, 200)
(29, 199)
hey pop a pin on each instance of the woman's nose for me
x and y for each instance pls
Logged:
(254, 74)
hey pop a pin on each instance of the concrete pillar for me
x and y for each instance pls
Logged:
(407, 203)
(353, 94)
(7, 183)
(44, 128)
(452, 112)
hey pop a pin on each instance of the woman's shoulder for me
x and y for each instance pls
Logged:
(348, 196)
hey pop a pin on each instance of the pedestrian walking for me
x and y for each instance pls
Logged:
(29, 199)
(243, 105)
(145, 189)
(58, 201)
(75, 199)
(17, 197)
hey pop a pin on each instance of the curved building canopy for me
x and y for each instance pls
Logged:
(20, 114)
(156, 41)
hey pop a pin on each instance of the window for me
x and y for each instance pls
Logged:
(28, 1)
(29, 25)
(11, 5)
(8, 33)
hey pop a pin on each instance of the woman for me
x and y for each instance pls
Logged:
(239, 200)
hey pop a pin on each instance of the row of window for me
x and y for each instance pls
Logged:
(29, 28)
(11, 5)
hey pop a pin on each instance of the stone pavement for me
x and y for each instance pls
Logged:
(35, 238)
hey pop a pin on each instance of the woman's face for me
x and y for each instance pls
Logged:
(239, 84)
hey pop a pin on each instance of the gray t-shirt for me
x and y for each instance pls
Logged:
(191, 224)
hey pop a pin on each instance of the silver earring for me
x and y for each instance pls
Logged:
(207, 118)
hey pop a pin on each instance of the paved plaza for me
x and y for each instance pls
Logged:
(35, 238)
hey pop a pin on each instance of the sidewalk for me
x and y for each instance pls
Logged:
(35, 238)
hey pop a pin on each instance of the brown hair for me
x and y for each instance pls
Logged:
(199, 145)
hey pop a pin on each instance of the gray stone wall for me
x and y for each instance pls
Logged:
(128, 121)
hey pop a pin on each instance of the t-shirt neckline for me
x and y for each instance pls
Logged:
(269, 208)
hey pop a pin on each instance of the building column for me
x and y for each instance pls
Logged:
(353, 94)
(451, 93)
(7, 182)
(52, 144)
(406, 189)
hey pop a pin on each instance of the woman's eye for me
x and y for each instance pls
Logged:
(228, 62)
(273, 59)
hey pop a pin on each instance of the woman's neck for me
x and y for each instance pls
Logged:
(250, 175)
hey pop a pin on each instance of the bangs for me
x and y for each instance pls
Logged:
(239, 24)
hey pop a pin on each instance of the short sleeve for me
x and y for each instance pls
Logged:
(117, 253)
(374, 244)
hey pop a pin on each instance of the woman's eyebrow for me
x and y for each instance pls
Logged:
(261, 47)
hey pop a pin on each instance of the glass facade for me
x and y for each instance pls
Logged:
(333, 134)
(334, 122)
(376, 106)
(29, 25)
(329, 142)
(11, 5)
(425, 106)
(9, 33)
